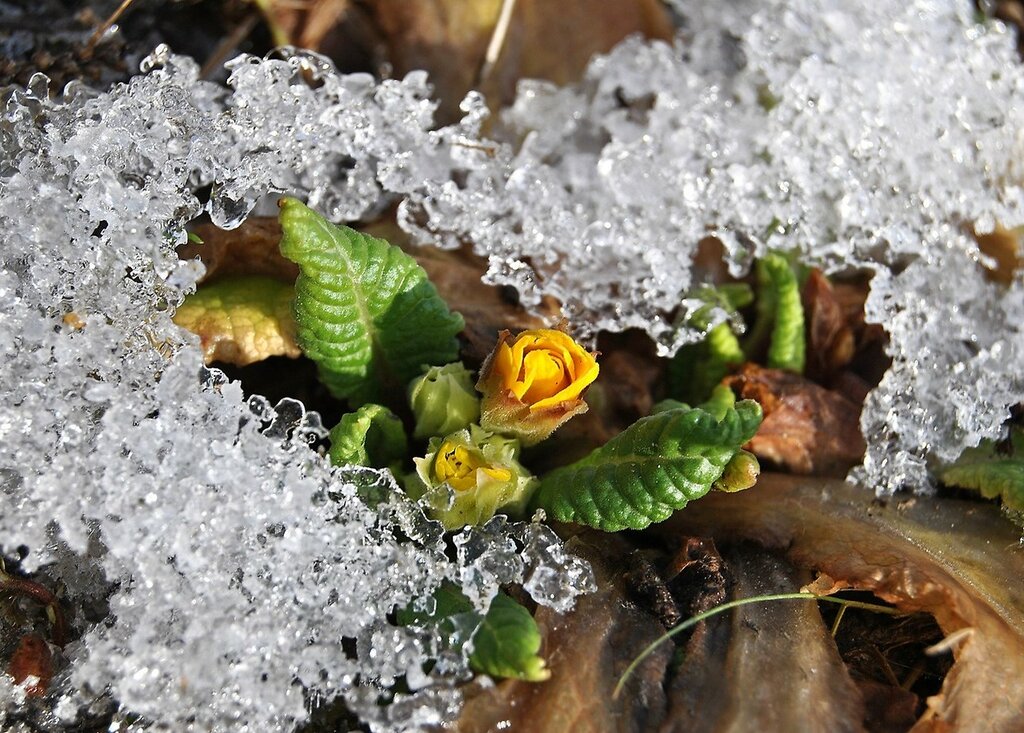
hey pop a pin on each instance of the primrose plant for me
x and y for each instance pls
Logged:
(385, 342)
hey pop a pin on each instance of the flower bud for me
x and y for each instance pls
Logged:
(740, 473)
(533, 383)
(443, 400)
(471, 474)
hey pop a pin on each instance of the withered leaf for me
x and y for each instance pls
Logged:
(545, 40)
(770, 666)
(585, 651)
(241, 320)
(806, 428)
(830, 338)
(1004, 247)
(959, 561)
(251, 249)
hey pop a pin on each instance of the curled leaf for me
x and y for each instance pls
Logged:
(697, 368)
(241, 320)
(650, 470)
(505, 641)
(371, 436)
(366, 312)
(780, 315)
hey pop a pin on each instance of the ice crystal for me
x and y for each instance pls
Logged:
(865, 136)
(213, 561)
(223, 575)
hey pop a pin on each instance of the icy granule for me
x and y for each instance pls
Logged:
(233, 560)
(864, 135)
(212, 561)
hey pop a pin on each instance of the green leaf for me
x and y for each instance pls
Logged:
(985, 470)
(651, 469)
(366, 312)
(697, 368)
(241, 320)
(371, 436)
(780, 312)
(719, 403)
(448, 601)
(505, 641)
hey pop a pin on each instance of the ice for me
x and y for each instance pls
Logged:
(223, 575)
(863, 136)
(212, 561)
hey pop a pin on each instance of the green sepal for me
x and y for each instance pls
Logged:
(371, 436)
(651, 469)
(443, 400)
(780, 315)
(505, 641)
(366, 312)
(985, 470)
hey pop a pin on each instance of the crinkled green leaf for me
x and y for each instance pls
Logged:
(719, 403)
(371, 436)
(993, 474)
(241, 320)
(505, 641)
(366, 312)
(697, 368)
(780, 312)
(651, 469)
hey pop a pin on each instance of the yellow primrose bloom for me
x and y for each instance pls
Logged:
(534, 383)
(470, 475)
(457, 465)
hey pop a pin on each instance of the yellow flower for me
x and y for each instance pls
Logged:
(533, 383)
(457, 465)
(468, 476)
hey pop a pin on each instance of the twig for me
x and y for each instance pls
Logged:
(498, 36)
(105, 26)
(241, 31)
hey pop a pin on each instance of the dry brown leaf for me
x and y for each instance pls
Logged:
(959, 561)
(586, 651)
(251, 249)
(1004, 246)
(806, 428)
(830, 338)
(545, 40)
(764, 667)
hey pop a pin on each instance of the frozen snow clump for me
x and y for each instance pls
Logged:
(212, 561)
(866, 136)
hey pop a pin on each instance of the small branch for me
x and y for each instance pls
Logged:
(105, 26)
(497, 42)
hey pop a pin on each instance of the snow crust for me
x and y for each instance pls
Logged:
(216, 561)
(866, 137)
